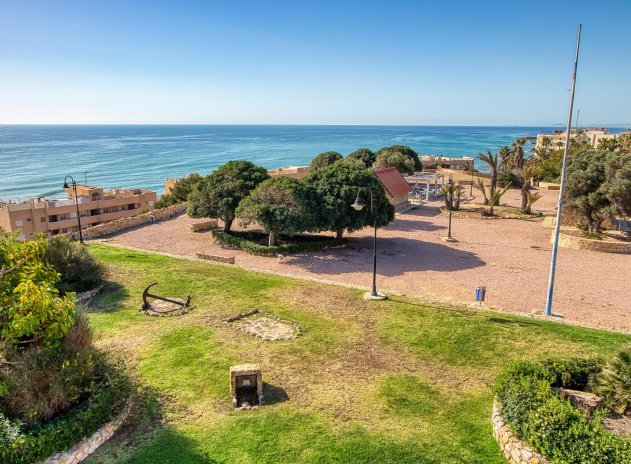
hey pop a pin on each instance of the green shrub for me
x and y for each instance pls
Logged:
(614, 382)
(549, 424)
(109, 390)
(250, 242)
(80, 271)
(31, 310)
(510, 178)
(573, 373)
(41, 382)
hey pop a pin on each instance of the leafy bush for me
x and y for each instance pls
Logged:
(250, 242)
(573, 373)
(41, 382)
(108, 393)
(31, 310)
(79, 269)
(549, 424)
(510, 178)
(614, 383)
(180, 191)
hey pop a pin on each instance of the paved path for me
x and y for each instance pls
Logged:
(510, 257)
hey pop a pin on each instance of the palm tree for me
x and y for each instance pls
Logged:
(506, 158)
(527, 174)
(492, 160)
(614, 383)
(494, 199)
(531, 199)
(518, 152)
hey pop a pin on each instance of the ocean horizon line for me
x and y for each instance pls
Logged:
(244, 124)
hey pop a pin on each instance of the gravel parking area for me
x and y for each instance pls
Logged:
(511, 257)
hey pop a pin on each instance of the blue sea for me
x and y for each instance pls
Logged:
(34, 159)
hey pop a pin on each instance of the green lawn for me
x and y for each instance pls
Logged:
(394, 381)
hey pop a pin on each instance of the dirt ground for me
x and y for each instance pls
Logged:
(511, 257)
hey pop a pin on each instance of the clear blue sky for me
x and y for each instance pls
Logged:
(390, 62)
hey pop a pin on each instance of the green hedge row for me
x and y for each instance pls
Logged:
(247, 241)
(551, 425)
(22, 445)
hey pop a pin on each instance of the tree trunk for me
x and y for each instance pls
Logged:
(593, 225)
(457, 203)
(227, 224)
(339, 233)
(490, 212)
(272, 239)
(494, 180)
(524, 197)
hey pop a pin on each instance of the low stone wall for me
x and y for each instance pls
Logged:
(515, 451)
(219, 259)
(118, 225)
(84, 298)
(206, 225)
(582, 243)
(88, 445)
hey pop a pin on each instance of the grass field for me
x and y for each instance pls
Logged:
(393, 381)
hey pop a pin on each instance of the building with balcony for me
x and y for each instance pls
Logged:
(96, 205)
(590, 135)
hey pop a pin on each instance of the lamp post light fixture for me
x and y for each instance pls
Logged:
(359, 205)
(76, 200)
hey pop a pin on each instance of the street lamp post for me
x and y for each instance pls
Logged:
(358, 206)
(76, 200)
(451, 206)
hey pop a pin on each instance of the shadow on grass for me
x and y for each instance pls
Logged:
(501, 320)
(274, 394)
(111, 298)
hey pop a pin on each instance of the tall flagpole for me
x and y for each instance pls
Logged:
(557, 229)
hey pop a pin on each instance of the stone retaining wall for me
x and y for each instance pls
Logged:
(515, 451)
(88, 445)
(118, 225)
(217, 258)
(582, 243)
(206, 225)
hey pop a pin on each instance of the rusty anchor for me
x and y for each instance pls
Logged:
(146, 305)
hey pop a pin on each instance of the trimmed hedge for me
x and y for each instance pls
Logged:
(22, 445)
(551, 425)
(248, 241)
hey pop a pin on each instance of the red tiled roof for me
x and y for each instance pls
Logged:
(393, 181)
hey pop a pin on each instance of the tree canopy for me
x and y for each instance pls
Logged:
(334, 188)
(324, 159)
(279, 205)
(180, 192)
(599, 185)
(394, 159)
(363, 155)
(405, 151)
(219, 194)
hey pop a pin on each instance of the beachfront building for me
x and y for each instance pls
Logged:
(591, 135)
(464, 163)
(297, 172)
(96, 205)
